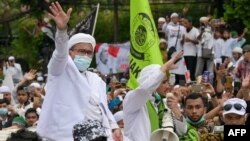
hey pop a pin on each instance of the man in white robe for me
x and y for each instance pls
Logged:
(73, 94)
(137, 126)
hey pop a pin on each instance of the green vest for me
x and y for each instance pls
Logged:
(154, 117)
(191, 135)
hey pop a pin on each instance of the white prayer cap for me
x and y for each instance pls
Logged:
(161, 19)
(147, 71)
(238, 50)
(5, 89)
(35, 84)
(163, 40)
(39, 78)
(11, 58)
(81, 38)
(174, 15)
(235, 105)
(203, 19)
(177, 86)
(118, 116)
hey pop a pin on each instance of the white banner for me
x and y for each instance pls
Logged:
(112, 58)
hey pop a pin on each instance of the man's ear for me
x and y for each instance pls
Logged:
(70, 52)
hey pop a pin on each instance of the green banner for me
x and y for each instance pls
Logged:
(144, 40)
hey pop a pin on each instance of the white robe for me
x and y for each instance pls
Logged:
(67, 96)
(136, 119)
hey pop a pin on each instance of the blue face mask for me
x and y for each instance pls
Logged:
(196, 123)
(3, 111)
(82, 62)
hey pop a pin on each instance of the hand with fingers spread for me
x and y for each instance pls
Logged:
(30, 75)
(169, 65)
(59, 16)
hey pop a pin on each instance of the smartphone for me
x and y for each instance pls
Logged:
(217, 66)
(218, 63)
(229, 83)
(197, 88)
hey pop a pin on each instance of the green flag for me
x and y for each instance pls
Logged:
(144, 40)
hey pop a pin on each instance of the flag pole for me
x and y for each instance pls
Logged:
(97, 11)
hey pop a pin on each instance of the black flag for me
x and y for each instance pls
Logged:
(87, 25)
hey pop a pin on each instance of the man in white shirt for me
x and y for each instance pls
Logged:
(218, 44)
(229, 42)
(206, 42)
(175, 32)
(137, 113)
(189, 46)
(73, 94)
(14, 69)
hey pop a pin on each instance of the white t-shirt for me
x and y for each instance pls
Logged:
(172, 32)
(207, 41)
(228, 46)
(218, 45)
(189, 48)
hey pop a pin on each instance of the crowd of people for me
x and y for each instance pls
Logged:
(203, 84)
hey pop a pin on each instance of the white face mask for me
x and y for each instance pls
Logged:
(82, 62)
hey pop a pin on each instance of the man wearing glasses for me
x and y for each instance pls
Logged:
(73, 94)
(234, 111)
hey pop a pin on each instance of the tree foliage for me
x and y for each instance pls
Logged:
(237, 12)
(238, 9)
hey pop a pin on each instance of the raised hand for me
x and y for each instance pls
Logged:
(209, 89)
(169, 65)
(246, 82)
(59, 16)
(30, 75)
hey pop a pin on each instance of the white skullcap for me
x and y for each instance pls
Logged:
(11, 58)
(177, 86)
(39, 78)
(5, 89)
(203, 19)
(81, 38)
(163, 40)
(238, 50)
(147, 71)
(174, 15)
(161, 19)
(118, 116)
(35, 84)
(233, 101)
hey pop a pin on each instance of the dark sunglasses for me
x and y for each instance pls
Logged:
(236, 106)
